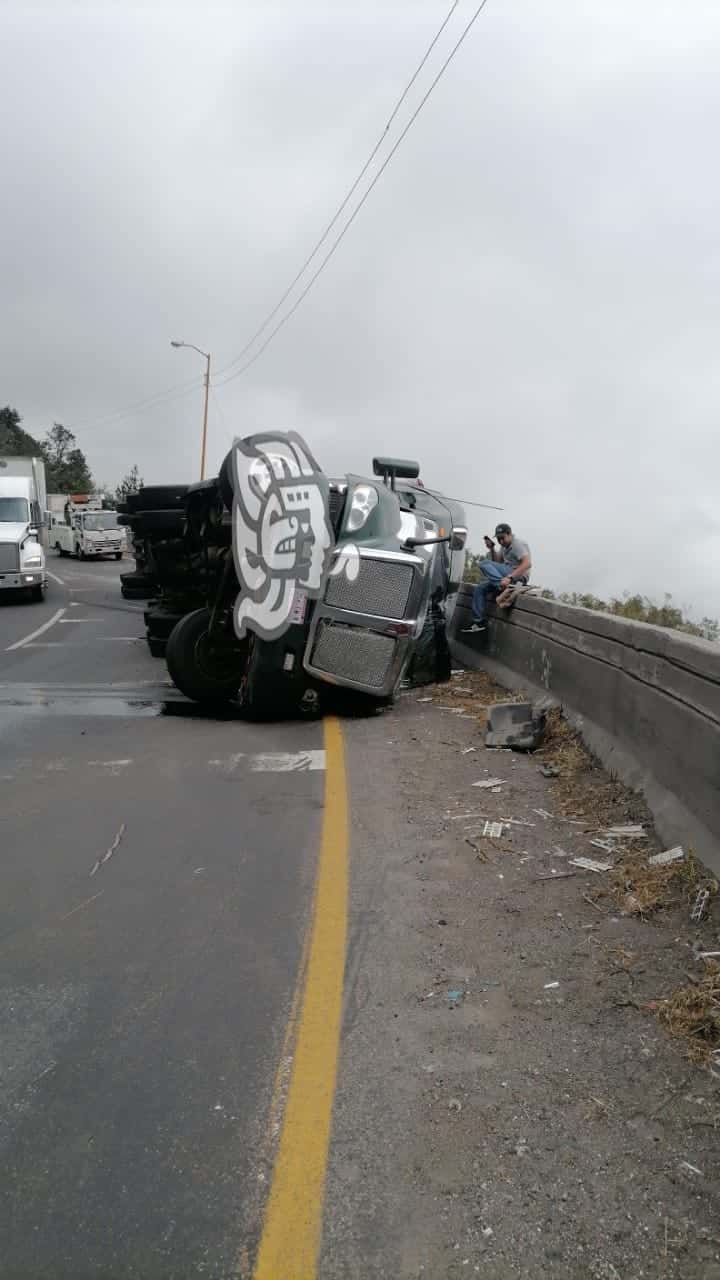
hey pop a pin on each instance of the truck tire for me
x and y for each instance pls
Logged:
(37, 594)
(117, 555)
(202, 672)
(59, 549)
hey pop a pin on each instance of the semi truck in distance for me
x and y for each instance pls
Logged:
(23, 531)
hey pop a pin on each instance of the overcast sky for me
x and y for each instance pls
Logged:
(529, 301)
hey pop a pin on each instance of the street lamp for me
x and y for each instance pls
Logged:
(206, 356)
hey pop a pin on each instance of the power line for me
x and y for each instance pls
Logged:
(269, 318)
(139, 406)
(283, 321)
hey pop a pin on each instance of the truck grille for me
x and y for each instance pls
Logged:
(382, 588)
(337, 505)
(9, 557)
(362, 657)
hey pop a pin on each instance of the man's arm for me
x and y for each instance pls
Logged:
(495, 552)
(518, 572)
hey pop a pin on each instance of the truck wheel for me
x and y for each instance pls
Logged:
(37, 594)
(118, 555)
(203, 669)
(59, 549)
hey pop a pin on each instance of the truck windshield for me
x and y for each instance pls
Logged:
(14, 510)
(101, 520)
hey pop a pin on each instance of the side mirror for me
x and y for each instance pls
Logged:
(396, 468)
(458, 539)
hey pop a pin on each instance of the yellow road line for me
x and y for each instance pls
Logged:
(291, 1235)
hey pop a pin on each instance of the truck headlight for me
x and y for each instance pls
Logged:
(32, 562)
(363, 503)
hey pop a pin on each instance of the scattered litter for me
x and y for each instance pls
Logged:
(423, 699)
(487, 1232)
(549, 986)
(198, 871)
(517, 822)
(606, 845)
(441, 921)
(631, 831)
(461, 689)
(707, 955)
(493, 829)
(454, 1105)
(700, 905)
(475, 847)
(667, 855)
(559, 852)
(589, 864)
(458, 671)
(109, 852)
(550, 771)
(691, 1168)
(456, 817)
(490, 782)
(557, 875)
(455, 995)
(466, 750)
(631, 905)
(542, 813)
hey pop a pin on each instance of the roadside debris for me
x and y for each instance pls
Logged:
(490, 782)
(550, 771)
(493, 829)
(543, 813)
(606, 845)
(668, 855)
(514, 724)
(700, 905)
(550, 986)
(590, 864)
(693, 1012)
(109, 852)
(631, 831)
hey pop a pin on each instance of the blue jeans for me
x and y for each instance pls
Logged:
(492, 575)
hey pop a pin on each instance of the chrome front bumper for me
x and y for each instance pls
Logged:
(361, 631)
(33, 578)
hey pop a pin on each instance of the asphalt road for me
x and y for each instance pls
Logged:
(157, 878)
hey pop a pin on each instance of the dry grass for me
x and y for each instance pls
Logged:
(639, 889)
(473, 692)
(693, 1014)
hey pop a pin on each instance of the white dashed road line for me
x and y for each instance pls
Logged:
(20, 644)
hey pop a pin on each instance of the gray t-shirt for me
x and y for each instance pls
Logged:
(514, 553)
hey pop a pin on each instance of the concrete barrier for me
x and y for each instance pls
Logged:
(646, 699)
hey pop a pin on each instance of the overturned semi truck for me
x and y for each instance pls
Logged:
(275, 584)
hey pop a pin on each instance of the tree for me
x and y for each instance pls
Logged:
(131, 483)
(15, 441)
(67, 468)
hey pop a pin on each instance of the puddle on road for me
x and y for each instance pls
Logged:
(81, 707)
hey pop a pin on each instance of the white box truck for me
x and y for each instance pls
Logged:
(23, 502)
(82, 528)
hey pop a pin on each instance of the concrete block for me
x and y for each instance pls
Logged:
(515, 724)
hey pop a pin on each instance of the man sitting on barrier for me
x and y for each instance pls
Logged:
(508, 565)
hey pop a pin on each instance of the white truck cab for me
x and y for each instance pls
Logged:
(22, 530)
(83, 529)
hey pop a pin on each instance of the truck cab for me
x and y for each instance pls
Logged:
(22, 500)
(84, 529)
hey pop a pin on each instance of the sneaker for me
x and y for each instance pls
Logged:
(476, 626)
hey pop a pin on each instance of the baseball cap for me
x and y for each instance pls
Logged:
(502, 528)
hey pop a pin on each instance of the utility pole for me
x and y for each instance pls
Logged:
(205, 417)
(206, 357)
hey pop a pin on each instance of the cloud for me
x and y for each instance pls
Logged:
(527, 303)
